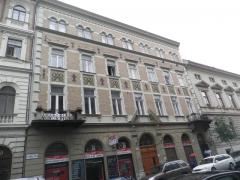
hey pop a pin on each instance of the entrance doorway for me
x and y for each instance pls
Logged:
(56, 162)
(148, 153)
(94, 160)
(169, 147)
(187, 146)
(203, 145)
(5, 163)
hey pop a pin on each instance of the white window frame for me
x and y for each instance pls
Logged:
(205, 98)
(20, 12)
(115, 65)
(181, 80)
(53, 25)
(62, 26)
(159, 105)
(219, 99)
(19, 47)
(130, 70)
(87, 33)
(152, 76)
(139, 103)
(51, 58)
(169, 76)
(116, 103)
(232, 100)
(89, 101)
(89, 70)
(57, 98)
(176, 106)
(189, 105)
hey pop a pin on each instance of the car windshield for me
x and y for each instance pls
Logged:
(157, 169)
(207, 161)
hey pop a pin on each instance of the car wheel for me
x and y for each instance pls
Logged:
(231, 166)
(213, 169)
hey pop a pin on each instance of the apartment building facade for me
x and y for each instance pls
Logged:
(16, 35)
(217, 95)
(108, 99)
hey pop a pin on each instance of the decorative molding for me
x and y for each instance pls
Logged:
(136, 85)
(155, 87)
(114, 83)
(57, 76)
(171, 90)
(202, 84)
(88, 80)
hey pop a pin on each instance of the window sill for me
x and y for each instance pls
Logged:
(135, 79)
(114, 77)
(119, 115)
(85, 72)
(92, 115)
(138, 115)
(163, 116)
(180, 116)
(57, 68)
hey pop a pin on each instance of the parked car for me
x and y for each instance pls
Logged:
(236, 156)
(217, 162)
(213, 175)
(168, 169)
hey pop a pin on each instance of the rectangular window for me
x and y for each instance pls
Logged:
(111, 67)
(181, 80)
(57, 100)
(219, 99)
(211, 79)
(89, 99)
(14, 48)
(232, 101)
(167, 77)
(159, 105)
(139, 104)
(151, 74)
(127, 45)
(132, 68)
(175, 106)
(197, 76)
(57, 58)
(116, 103)
(205, 98)
(87, 63)
(189, 104)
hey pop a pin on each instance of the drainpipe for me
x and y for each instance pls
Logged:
(30, 84)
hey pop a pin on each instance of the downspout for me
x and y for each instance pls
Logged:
(2, 10)
(30, 84)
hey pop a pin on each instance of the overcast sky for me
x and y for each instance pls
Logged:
(208, 30)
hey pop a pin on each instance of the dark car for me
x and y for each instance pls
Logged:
(168, 169)
(236, 156)
(214, 175)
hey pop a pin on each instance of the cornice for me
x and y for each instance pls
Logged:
(106, 45)
(14, 30)
(192, 64)
(16, 69)
(108, 21)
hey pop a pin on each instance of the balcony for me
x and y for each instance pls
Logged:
(44, 118)
(198, 122)
(7, 118)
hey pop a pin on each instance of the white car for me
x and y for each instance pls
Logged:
(217, 162)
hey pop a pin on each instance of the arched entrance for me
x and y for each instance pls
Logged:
(94, 160)
(56, 162)
(187, 146)
(169, 147)
(5, 163)
(203, 145)
(148, 152)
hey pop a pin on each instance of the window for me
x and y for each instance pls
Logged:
(87, 33)
(57, 58)
(205, 98)
(89, 99)
(132, 68)
(144, 48)
(62, 26)
(14, 48)
(53, 23)
(181, 79)
(167, 77)
(7, 99)
(57, 102)
(234, 84)
(232, 101)
(175, 106)
(197, 76)
(116, 103)
(19, 13)
(151, 74)
(160, 53)
(80, 30)
(127, 44)
(174, 57)
(87, 63)
(224, 82)
(189, 104)
(211, 79)
(219, 99)
(139, 104)
(107, 39)
(111, 67)
(159, 105)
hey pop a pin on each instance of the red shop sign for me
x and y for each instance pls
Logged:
(56, 159)
(124, 151)
(169, 145)
(93, 154)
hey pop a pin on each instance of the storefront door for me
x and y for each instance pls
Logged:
(5, 163)
(95, 169)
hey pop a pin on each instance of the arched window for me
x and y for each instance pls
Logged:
(7, 99)
(169, 147)
(5, 163)
(93, 145)
(62, 26)
(87, 33)
(103, 37)
(80, 30)
(110, 39)
(19, 13)
(123, 143)
(146, 139)
(53, 23)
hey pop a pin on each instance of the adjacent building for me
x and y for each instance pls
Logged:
(16, 42)
(108, 99)
(217, 94)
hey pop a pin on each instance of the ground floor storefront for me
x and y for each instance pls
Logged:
(12, 140)
(100, 152)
